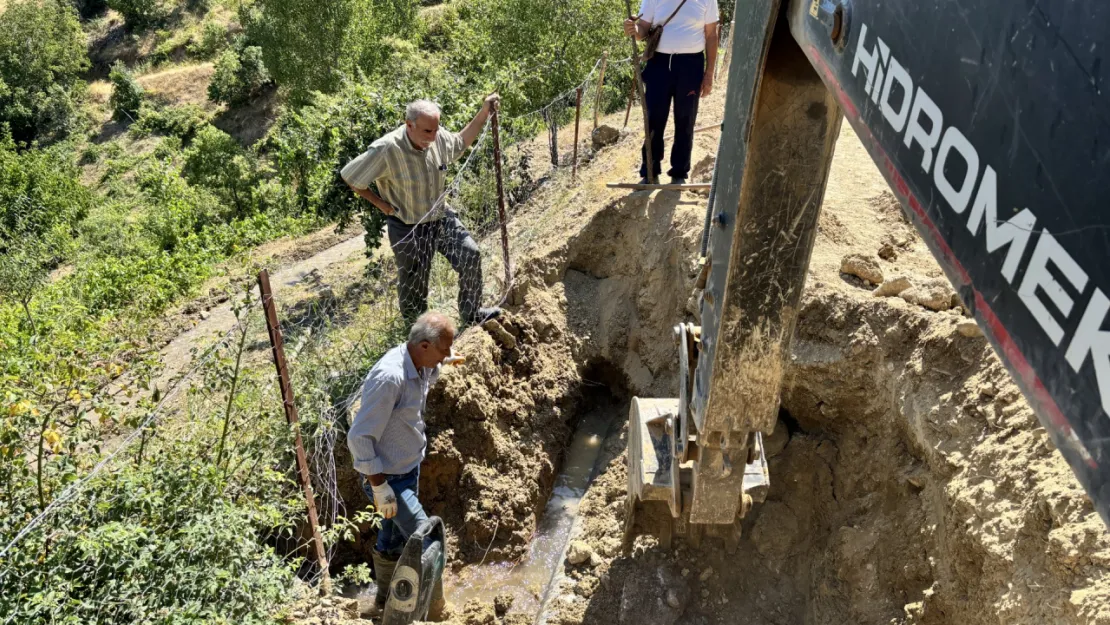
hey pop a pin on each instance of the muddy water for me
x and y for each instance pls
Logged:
(528, 580)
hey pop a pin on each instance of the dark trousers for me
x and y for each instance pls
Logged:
(677, 78)
(414, 247)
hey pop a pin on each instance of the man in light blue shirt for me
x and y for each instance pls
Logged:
(388, 443)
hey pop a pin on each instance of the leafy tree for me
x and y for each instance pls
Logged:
(42, 55)
(218, 162)
(139, 14)
(240, 75)
(310, 45)
(127, 93)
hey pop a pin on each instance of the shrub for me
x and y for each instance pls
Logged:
(210, 41)
(40, 194)
(127, 93)
(182, 121)
(42, 56)
(240, 75)
(216, 162)
(140, 14)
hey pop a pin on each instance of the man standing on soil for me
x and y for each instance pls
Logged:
(681, 70)
(409, 167)
(387, 441)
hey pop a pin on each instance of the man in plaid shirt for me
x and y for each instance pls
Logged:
(409, 168)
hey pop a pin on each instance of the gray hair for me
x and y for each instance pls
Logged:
(431, 327)
(416, 108)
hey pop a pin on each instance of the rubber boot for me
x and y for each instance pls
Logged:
(383, 575)
(438, 609)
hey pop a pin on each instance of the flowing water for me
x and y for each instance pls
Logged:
(528, 580)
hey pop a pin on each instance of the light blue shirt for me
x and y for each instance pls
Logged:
(387, 433)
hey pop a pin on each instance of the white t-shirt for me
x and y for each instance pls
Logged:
(686, 32)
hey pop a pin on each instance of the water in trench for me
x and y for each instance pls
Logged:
(528, 580)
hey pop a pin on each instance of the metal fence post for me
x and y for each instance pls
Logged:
(290, 406)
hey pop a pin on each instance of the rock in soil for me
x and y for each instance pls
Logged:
(935, 295)
(893, 287)
(604, 135)
(969, 328)
(579, 552)
(502, 603)
(887, 252)
(862, 266)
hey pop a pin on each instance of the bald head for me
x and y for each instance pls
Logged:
(430, 339)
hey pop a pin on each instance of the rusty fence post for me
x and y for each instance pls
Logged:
(639, 83)
(577, 116)
(501, 196)
(290, 406)
(600, 86)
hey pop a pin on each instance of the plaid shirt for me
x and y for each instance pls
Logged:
(410, 180)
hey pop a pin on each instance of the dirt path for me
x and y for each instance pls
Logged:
(177, 355)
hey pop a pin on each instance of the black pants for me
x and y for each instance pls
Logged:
(414, 247)
(677, 78)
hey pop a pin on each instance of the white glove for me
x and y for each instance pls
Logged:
(385, 500)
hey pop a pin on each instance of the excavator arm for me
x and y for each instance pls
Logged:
(989, 122)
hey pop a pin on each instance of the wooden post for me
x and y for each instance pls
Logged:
(553, 136)
(501, 196)
(290, 406)
(631, 97)
(600, 86)
(577, 116)
(643, 99)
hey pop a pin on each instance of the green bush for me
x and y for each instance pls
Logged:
(40, 195)
(141, 14)
(127, 93)
(240, 75)
(42, 56)
(211, 40)
(182, 121)
(217, 162)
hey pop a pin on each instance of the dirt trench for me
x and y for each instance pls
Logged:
(911, 482)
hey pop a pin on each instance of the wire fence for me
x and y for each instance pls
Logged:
(191, 513)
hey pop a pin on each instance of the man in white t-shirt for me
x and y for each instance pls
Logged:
(681, 70)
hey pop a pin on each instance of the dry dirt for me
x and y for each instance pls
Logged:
(914, 485)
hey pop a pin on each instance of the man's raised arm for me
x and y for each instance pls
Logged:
(470, 133)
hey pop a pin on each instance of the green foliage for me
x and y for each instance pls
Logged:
(211, 40)
(40, 195)
(127, 93)
(311, 45)
(24, 266)
(42, 56)
(240, 75)
(182, 121)
(217, 162)
(141, 14)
